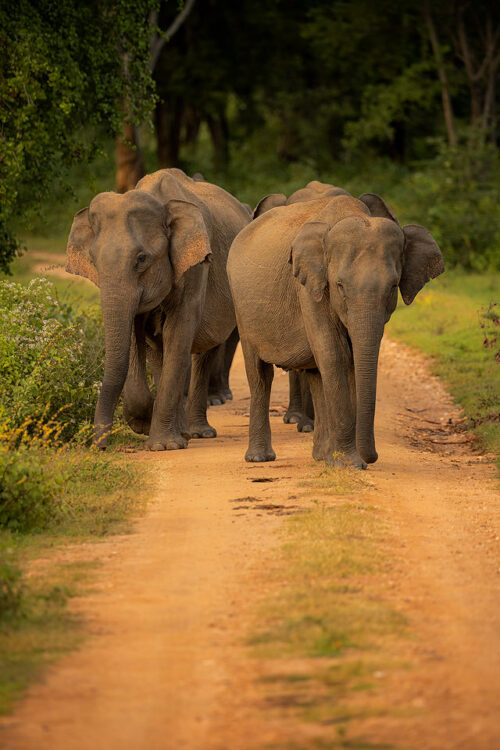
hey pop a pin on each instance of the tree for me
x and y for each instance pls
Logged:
(129, 159)
(61, 84)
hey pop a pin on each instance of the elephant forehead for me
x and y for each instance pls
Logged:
(356, 233)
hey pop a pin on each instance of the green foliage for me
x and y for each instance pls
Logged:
(455, 320)
(68, 72)
(27, 491)
(51, 361)
(456, 196)
(11, 588)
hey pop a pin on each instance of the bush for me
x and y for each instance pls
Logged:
(51, 361)
(457, 194)
(11, 587)
(27, 490)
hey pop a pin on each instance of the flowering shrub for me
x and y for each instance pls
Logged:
(51, 360)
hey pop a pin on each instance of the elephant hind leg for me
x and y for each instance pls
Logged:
(260, 376)
(196, 408)
(306, 423)
(216, 389)
(294, 412)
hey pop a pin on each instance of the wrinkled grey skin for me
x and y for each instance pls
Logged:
(314, 284)
(158, 254)
(300, 406)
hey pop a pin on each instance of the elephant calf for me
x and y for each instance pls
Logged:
(314, 284)
(158, 254)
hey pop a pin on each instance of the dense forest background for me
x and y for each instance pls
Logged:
(261, 95)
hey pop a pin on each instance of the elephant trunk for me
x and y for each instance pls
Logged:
(366, 331)
(118, 320)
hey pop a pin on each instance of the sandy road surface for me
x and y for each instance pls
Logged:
(164, 667)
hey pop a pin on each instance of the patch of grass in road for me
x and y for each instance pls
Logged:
(323, 630)
(456, 320)
(336, 480)
(97, 497)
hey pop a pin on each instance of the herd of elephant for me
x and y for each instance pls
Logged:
(307, 283)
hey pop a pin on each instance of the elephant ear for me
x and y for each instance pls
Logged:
(307, 257)
(80, 240)
(270, 201)
(189, 242)
(378, 207)
(422, 261)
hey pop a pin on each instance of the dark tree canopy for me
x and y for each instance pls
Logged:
(66, 69)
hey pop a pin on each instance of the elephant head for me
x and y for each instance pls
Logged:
(357, 261)
(136, 247)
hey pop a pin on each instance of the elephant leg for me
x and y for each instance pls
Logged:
(294, 411)
(340, 414)
(306, 423)
(178, 333)
(196, 409)
(321, 436)
(229, 350)
(216, 389)
(154, 358)
(137, 398)
(260, 377)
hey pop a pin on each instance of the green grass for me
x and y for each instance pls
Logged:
(455, 320)
(97, 498)
(323, 630)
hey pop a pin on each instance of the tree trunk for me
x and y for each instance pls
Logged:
(443, 79)
(219, 132)
(168, 120)
(129, 160)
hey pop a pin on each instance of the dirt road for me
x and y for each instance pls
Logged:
(165, 666)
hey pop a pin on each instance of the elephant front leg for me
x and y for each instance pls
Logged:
(260, 376)
(335, 416)
(137, 399)
(321, 438)
(168, 424)
(196, 408)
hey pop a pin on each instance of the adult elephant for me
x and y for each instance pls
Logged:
(300, 409)
(314, 284)
(158, 254)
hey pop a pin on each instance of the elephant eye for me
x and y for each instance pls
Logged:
(340, 287)
(141, 258)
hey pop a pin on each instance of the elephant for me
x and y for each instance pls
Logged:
(158, 254)
(300, 409)
(314, 284)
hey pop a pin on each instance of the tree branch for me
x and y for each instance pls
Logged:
(158, 41)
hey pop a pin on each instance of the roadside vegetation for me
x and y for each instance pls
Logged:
(456, 320)
(53, 489)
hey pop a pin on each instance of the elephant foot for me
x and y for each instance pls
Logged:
(202, 430)
(319, 452)
(140, 426)
(292, 417)
(216, 399)
(340, 460)
(166, 443)
(306, 424)
(138, 416)
(370, 457)
(259, 455)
